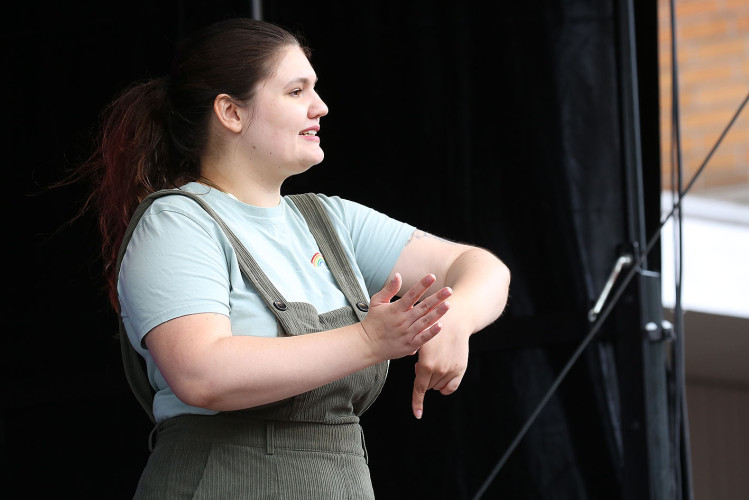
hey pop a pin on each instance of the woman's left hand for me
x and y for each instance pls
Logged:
(442, 363)
(480, 284)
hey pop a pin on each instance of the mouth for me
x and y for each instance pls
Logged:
(311, 131)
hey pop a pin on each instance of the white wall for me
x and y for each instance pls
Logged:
(715, 297)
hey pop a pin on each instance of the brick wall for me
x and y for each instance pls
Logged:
(712, 39)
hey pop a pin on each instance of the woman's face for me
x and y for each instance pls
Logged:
(282, 135)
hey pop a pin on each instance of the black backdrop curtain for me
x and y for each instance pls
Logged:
(499, 125)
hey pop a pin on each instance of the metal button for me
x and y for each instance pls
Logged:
(280, 305)
(362, 306)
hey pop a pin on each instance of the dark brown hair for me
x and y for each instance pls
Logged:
(152, 135)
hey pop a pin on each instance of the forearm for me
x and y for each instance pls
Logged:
(480, 283)
(239, 371)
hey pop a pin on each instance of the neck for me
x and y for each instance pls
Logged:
(245, 185)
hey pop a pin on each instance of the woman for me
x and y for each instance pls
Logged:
(265, 321)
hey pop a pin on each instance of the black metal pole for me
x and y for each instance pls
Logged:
(647, 460)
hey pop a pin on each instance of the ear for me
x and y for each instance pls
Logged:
(229, 113)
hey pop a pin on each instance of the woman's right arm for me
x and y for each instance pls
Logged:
(206, 366)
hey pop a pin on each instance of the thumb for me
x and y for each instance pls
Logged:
(389, 291)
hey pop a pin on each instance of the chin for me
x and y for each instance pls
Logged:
(307, 165)
(315, 161)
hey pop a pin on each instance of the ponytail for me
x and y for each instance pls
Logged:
(131, 161)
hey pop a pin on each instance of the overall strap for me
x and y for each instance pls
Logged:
(330, 246)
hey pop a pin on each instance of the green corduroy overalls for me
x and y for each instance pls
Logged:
(309, 446)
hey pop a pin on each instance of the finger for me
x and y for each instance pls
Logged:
(451, 386)
(426, 322)
(421, 386)
(448, 384)
(426, 335)
(388, 291)
(414, 293)
(443, 376)
(426, 305)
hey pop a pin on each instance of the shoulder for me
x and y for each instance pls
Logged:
(180, 200)
(185, 204)
(364, 224)
(346, 211)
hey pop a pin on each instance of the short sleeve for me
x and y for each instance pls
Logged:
(173, 266)
(377, 239)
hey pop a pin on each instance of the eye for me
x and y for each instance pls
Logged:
(296, 92)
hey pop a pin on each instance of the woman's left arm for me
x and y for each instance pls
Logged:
(480, 284)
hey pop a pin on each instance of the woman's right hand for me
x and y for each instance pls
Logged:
(399, 328)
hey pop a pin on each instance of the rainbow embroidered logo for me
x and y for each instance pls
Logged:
(317, 260)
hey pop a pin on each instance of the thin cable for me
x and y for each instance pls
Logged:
(605, 312)
(676, 190)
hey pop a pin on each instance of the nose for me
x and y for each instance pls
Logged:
(318, 108)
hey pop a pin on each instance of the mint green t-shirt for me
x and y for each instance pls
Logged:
(179, 262)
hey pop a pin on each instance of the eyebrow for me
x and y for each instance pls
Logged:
(303, 80)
